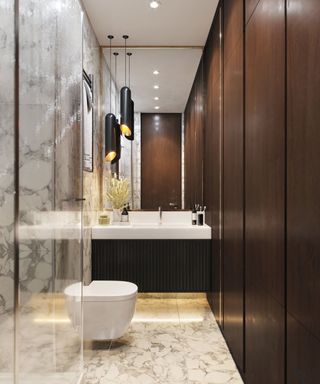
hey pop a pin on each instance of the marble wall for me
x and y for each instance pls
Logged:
(130, 163)
(92, 181)
(94, 191)
(136, 163)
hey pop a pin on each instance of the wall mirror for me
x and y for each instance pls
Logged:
(160, 79)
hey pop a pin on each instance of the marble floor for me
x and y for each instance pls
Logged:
(173, 339)
(49, 349)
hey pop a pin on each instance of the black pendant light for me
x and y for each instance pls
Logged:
(110, 126)
(131, 137)
(125, 101)
(118, 131)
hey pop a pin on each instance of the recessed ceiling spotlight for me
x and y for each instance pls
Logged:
(156, 86)
(156, 107)
(156, 72)
(156, 98)
(154, 4)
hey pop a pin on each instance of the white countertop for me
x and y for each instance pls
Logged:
(143, 225)
(50, 232)
(51, 225)
(151, 231)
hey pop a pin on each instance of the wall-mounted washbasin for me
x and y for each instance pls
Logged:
(146, 225)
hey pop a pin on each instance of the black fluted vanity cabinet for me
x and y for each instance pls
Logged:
(154, 265)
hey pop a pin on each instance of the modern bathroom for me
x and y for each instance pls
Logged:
(159, 196)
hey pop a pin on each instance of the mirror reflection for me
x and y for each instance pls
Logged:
(160, 80)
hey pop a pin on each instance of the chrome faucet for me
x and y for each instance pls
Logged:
(160, 215)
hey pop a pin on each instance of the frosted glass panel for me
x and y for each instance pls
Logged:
(6, 191)
(49, 345)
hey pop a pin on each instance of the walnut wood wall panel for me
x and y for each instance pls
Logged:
(187, 158)
(303, 206)
(213, 164)
(265, 336)
(199, 136)
(233, 26)
(188, 198)
(250, 7)
(233, 267)
(270, 162)
(194, 143)
(265, 194)
(160, 160)
(303, 354)
(189, 150)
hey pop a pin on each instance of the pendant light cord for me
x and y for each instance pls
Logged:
(110, 37)
(125, 58)
(115, 78)
(129, 54)
(110, 76)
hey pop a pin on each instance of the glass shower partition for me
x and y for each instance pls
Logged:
(50, 174)
(39, 341)
(7, 267)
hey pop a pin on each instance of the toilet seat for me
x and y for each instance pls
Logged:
(104, 290)
(109, 290)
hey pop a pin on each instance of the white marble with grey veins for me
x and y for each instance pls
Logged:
(170, 341)
(49, 348)
(95, 64)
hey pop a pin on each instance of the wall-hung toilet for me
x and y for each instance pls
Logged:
(108, 308)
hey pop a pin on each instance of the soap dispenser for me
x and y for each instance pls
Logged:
(125, 215)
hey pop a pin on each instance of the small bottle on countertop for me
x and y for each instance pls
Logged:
(194, 215)
(125, 215)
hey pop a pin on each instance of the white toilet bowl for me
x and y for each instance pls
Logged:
(108, 308)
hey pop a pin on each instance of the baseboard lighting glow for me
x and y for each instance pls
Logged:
(167, 320)
(41, 320)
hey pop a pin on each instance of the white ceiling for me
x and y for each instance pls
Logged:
(174, 23)
(177, 68)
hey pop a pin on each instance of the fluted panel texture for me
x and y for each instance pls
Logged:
(154, 265)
